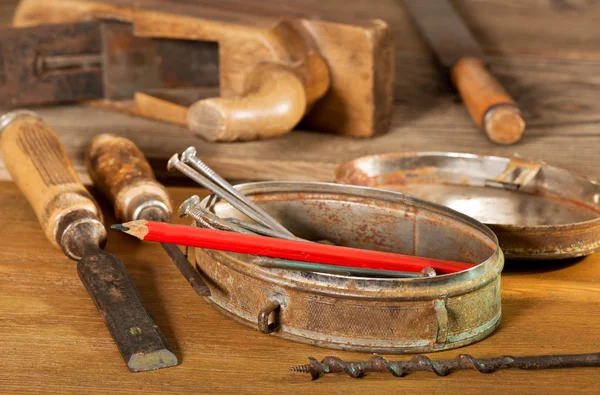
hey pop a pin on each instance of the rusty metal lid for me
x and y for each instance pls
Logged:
(536, 210)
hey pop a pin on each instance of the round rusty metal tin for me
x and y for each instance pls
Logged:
(536, 210)
(388, 315)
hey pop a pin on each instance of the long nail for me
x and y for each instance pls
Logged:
(189, 157)
(175, 163)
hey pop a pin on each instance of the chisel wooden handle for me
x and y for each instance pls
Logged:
(39, 165)
(121, 171)
(492, 109)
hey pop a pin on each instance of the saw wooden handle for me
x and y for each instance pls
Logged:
(39, 165)
(122, 173)
(490, 106)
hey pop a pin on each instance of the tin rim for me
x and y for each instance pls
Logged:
(567, 238)
(393, 155)
(367, 287)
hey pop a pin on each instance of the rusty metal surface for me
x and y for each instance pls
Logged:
(186, 269)
(136, 64)
(444, 30)
(345, 270)
(50, 63)
(392, 315)
(537, 211)
(92, 60)
(135, 333)
(445, 367)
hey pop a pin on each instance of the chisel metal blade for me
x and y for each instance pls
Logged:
(444, 30)
(137, 336)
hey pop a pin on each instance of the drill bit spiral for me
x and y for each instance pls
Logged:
(445, 367)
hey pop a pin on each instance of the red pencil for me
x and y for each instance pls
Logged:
(285, 249)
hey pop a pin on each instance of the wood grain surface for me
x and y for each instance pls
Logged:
(544, 53)
(491, 108)
(551, 71)
(120, 170)
(40, 167)
(558, 98)
(52, 339)
(271, 68)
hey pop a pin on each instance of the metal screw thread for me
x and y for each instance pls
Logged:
(209, 220)
(301, 368)
(202, 222)
(445, 367)
(205, 218)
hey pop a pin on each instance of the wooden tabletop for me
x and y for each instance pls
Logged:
(546, 54)
(52, 339)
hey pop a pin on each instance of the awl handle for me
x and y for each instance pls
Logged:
(490, 106)
(123, 174)
(40, 167)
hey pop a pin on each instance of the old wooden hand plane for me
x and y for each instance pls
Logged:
(274, 66)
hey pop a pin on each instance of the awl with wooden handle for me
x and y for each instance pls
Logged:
(490, 106)
(72, 221)
(123, 174)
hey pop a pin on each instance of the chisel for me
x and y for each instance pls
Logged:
(490, 106)
(71, 219)
(123, 174)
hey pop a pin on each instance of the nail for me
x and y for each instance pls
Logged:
(189, 157)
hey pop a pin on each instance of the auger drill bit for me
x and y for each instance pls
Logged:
(447, 366)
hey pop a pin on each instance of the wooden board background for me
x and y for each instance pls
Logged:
(546, 53)
(53, 341)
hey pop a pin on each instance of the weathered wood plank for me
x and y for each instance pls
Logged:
(558, 98)
(7, 9)
(562, 28)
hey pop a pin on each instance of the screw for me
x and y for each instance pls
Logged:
(187, 205)
(189, 157)
(191, 207)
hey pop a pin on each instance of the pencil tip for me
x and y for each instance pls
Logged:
(119, 227)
